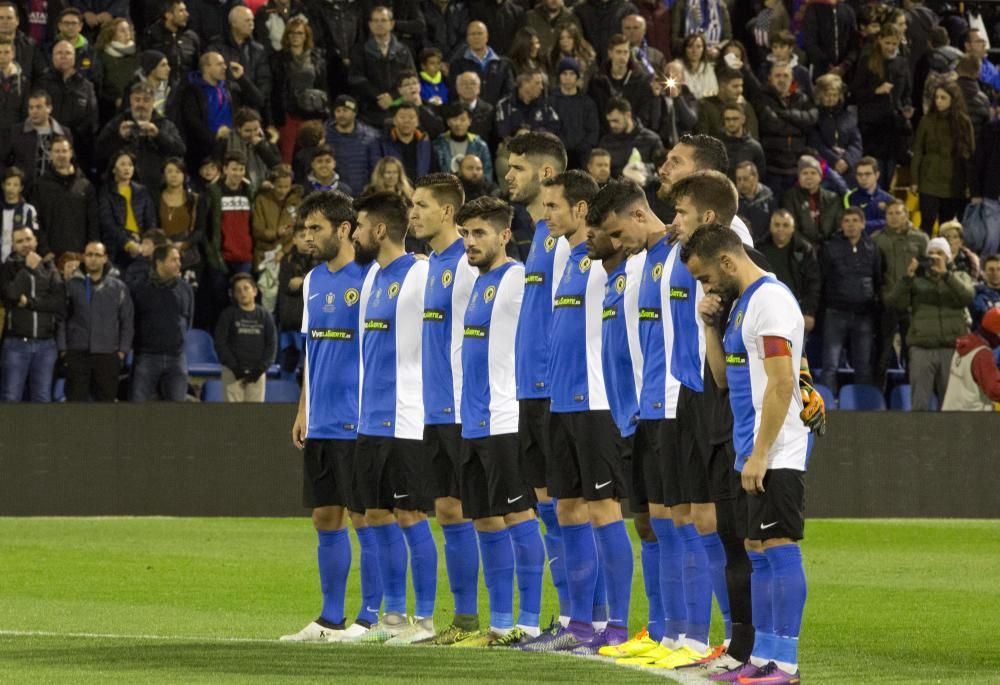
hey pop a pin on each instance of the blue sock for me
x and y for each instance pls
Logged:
(554, 549)
(423, 567)
(651, 579)
(498, 571)
(581, 572)
(762, 607)
(334, 557)
(697, 584)
(462, 559)
(371, 579)
(615, 553)
(392, 566)
(788, 598)
(600, 610)
(529, 552)
(671, 577)
(717, 568)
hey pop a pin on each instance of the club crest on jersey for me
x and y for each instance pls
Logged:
(620, 284)
(447, 277)
(739, 319)
(585, 265)
(393, 290)
(657, 271)
(351, 296)
(550, 243)
(489, 293)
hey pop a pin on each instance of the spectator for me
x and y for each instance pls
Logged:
(210, 19)
(675, 108)
(817, 211)
(881, 90)
(829, 31)
(782, 51)
(658, 25)
(169, 35)
(985, 181)
(449, 148)
(977, 104)
(26, 51)
(730, 93)
(974, 380)
(474, 182)
(323, 173)
(337, 25)
(836, 136)
(580, 126)
(786, 118)
(433, 87)
(740, 145)
(976, 46)
(67, 203)
(16, 211)
(709, 18)
(547, 19)
(446, 23)
(528, 109)
(13, 88)
(409, 92)
(98, 13)
(74, 102)
(495, 73)
(229, 241)
(851, 269)
(154, 71)
(300, 78)
(274, 211)
(249, 140)
(793, 261)
(650, 58)
(246, 341)
(205, 107)
(868, 195)
(622, 77)
(407, 143)
(295, 264)
(249, 71)
(310, 136)
(771, 21)
(139, 268)
(98, 331)
(34, 299)
(600, 19)
(572, 45)
(125, 207)
(141, 131)
(181, 213)
(941, 62)
(116, 63)
(626, 137)
(943, 158)
(699, 72)
(599, 166)
(29, 144)
(272, 19)
(354, 143)
(937, 296)
(467, 87)
(525, 52)
(503, 17)
(376, 65)
(70, 24)
(164, 310)
(757, 201)
(988, 292)
(389, 176)
(963, 259)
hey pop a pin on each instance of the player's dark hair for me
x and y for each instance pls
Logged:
(445, 188)
(386, 208)
(711, 240)
(335, 206)
(708, 190)
(854, 211)
(578, 186)
(492, 210)
(614, 198)
(709, 152)
(537, 145)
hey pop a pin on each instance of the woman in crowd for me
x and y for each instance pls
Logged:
(572, 44)
(116, 64)
(964, 259)
(300, 84)
(390, 176)
(525, 51)
(181, 212)
(125, 208)
(699, 72)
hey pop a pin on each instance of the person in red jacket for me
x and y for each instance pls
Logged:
(974, 384)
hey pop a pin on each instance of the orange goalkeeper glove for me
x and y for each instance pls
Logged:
(813, 412)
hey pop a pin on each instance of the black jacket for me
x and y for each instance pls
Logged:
(445, 28)
(29, 55)
(337, 24)
(13, 100)
(802, 267)
(409, 25)
(756, 212)
(99, 317)
(192, 113)
(210, 18)
(292, 78)
(836, 135)
(503, 18)
(986, 181)
(600, 19)
(514, 114)
(976, 103)
(253, 89)
(743, 149)
(164, 311)
(372, 74)
(74, 102)
(150, 152)
(43, 287)
(112, 210)
(874, 107)
(634, 88)
(181, 48)
(620, 146)
(290, 305)
(581, 125)
(830, 35)
(851, 274)
(784, 125)
(67, 211)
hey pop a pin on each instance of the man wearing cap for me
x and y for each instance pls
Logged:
(577, 111)
(817, 211)
(974, 383)
(937, 294)
(355, 144)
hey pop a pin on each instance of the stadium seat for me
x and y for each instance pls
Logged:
(281, 391)
(212, 391)
(901, 399)
(199, 348)
(828, 399)
(860, 397)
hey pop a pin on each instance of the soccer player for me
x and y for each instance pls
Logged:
(756, 359)
(436, 199)
(326, 423)
(495, 493)
(389, 453)
(535, 156)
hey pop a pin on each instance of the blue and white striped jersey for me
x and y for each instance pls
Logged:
(621, 353)
(546, 260)
(449, 283)
(391, 392)
(659, 391)
(331, 320)
(489, 394)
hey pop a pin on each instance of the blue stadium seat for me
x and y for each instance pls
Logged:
(901, 399)
(858, 397)
(281, 391)
(212, 391)
(828, 399)
(199, 348)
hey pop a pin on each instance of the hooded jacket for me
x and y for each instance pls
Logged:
(99, 316)
(67, 211)
(938, 307)
(936, 166)
(43, 288)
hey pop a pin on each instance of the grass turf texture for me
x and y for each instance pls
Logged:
(889, 601)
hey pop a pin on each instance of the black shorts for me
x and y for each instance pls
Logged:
(586, 456)
(781, 511)
(647, 461)
(691, 449)
(533, 432)
(392, 473)
(329, 476)
(723, 479)
(442, 454)
(491, 479)
(632, 471)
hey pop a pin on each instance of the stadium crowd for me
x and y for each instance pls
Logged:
(154, 154)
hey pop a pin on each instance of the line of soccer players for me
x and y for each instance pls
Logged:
(489, 390)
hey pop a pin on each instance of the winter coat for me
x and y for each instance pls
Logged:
(898, 250)
(985, 180)
(830, 32)
(986, 298)
(503, 17)
(476, 146)
(784, 126)
(74, 102)
(620, 146)
(757, 211)
(164, 311)
(936, 167)
(21, 147)
(193, 111)
(113, 209)
(873, 204)
(292, 77)
(354, 152)
(634, 88)
(290, 305)
(372, 74)
(253, 89)
(181, 48)
(389, 147)
(881, 108)
(150, 151)
(337, 24)
(99, 317)
(43, 287)
(514, 114)
(671, 117)
(13, 100)
(836, 135)
(31, 57)
(409, 25)
(113, 74)
(269, 215)
(938, 307)
(851, 274)
(581, 125)
(67, 212)
(548, 29)
(977, 105)
(497, 75)
(806, 283)
(445, 28)
(796, 201)
(743, 149)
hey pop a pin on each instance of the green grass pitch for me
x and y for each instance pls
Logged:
(126, 600)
